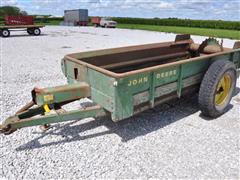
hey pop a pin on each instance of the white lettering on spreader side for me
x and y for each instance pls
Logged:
(141, 80)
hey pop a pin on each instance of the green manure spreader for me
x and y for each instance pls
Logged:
(122, 82)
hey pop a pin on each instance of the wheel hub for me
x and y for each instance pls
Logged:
(223, 89)
(5, 33)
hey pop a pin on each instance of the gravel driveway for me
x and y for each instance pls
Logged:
(171, 141)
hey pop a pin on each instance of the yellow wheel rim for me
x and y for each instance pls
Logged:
(223, 89)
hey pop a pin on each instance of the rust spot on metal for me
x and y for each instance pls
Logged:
(148, 57)
(236, 45)
(26, 107)
(182, 37)
(37, 90)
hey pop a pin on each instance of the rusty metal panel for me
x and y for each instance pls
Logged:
(91, 59)
(181, 37)
(119, 89)
(122, 78)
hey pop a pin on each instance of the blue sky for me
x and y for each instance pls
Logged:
(193, 9)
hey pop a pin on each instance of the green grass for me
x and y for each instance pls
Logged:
(50, 22)
(221, 33)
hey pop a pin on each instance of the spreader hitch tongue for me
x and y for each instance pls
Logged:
(45, 108)
(6, 127)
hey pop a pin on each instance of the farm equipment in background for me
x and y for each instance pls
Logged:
(122, 82)
(96, 21)
(76, 17)
(103, 22)
(18, 20)
(19, 23)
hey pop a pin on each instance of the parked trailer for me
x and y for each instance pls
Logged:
(79, 17)
(96, 21)
(125, 81)
(31, 29)
(19, 23)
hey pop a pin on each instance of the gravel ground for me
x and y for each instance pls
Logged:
(171, 141)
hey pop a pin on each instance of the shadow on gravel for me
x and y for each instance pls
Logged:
(139, 125)
(228, 108)
(25, 35)
(237, 91)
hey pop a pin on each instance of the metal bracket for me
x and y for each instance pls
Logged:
(179, 83)
(152, 90)
(236, 45)
(182, 37)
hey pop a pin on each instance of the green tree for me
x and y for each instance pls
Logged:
(11, 10)
(24, 13)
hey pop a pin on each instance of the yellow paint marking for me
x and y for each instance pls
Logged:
(48, 98)
(46, 108)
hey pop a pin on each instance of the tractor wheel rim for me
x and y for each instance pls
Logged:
(36, 31)
(223, 89)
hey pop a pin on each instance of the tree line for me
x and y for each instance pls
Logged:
(213, 24)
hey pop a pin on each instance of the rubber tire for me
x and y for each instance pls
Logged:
(30, 31)
(36, 32)
(105, 26)
(6, 31)
(208, 87)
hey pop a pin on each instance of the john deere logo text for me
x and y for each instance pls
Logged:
(166, 74)
(134, 82)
